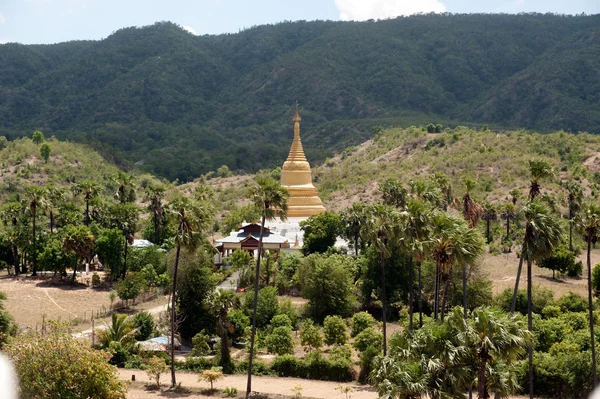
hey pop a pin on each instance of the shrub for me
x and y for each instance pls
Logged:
(287, 308)
(238, 319)
(156, 366)
(366, 363)
(551, 311)
(267, 305)
(572, 303)
(195, 364)
(335, 330)
(341, 353)
(144, 322)
(315, 366)
(258, 368)
(280, 341)
(281, 320)
(368, 337)
(96, 281)
(563, 261)
(310, 336)
(200, 343)
(230, 392)
(541, 297)
(361, 321)
(60, 366)
(211, 375)
(288, 366)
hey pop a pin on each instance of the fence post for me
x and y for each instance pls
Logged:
(93, 332)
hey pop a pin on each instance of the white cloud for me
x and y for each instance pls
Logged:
(360, 10)
(3, 41)
(189, 29)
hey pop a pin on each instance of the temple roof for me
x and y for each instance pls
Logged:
(245, 236)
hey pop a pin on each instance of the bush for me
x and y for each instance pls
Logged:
(287, 308)
(195, 364)
(572, 303)
(240, 321)
(280, 341)
(368, 337)
(258, 367)
(366, 363)
(361, 321)
(310, 336)
(563, 261)
(335, 330)
(59, 366)
(267, 305)
(96, 281)
(541, 297)
(341, 353)
(200, 344)
(281, 320)
(211, 375)
(156, 366)
(315, 366)
(551, 311)
(144, 322)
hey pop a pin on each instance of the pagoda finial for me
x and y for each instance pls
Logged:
(297, 114)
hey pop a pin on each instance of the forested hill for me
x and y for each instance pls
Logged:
(181, 105)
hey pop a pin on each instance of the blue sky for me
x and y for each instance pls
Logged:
(52, 21)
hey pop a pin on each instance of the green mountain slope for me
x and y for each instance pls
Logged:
(180, 105)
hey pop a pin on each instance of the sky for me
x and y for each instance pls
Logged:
(53, 21)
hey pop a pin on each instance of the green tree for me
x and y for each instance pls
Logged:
(124, 216)
(237, 216)
(143, 322)
(154, 195)
(280, 341)
(320, 232)
(130, 287)
(222, 301)
(271, 198)
(79, 241)
(155, 367)
(110, 249)
(310, 336)
(542, 234)
(35, 200)
(54, 258)
(192, 219)
(57, 365)
(55, 197)
(45, 150)
(120, 330)
(126, 187)
(574, 201)
(89, 189)
(335, 330)
(393, 193)
(8, 327)
(489, 215)
(368, 337)
(37, 137)
(352, 220)
(539, 169)
(15, 235)
(588, 223)
(224, 171)
(508, 214)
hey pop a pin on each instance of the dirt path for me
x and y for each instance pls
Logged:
(265, 385)
(56, 304)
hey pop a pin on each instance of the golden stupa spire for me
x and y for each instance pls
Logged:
(296, 151)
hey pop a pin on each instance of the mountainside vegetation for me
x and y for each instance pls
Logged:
(181, 105)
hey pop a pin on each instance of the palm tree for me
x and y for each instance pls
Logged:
(353, 219)
(495, 339)
(192, 219)
(417, 235)
(489, 215)
(124, 216)
(589, 223)
(428, 192)
(443, 182)
(508, 213)
(89, 189)
(125, 187)
(120, 330)
(35, 199)
(539, 170)
(542, 234)
(393, 193)
(80, 241)
(575, 196)
(54, 196)
(11, 215)
(222, 301)
(154, 196)
(271, 199)
(452, 242)
(382, 227)
(515, 194)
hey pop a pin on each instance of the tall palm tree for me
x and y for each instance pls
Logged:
(35, 200)
(11, 215)
(416, 231)
(270, 198)
(80, 241)
(508, 214)
(222, 301)
(589, 223)
(55, 196)
(542, 234)
(427, 191)
(381, 229)
(575, 196)
(89, 189)
(515, 194)
(443, 182)
(192, 219)
(154, 196)
(539, 169)
(393, 193)
(452, 242)
(353, 219)
(125, 187)
(124, 216)
(489, 215)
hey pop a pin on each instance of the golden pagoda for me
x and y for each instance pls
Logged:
(296, 177)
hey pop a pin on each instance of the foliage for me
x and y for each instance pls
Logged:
(314, 366)
(367, 338)
(120, 330)
(280, 320)
(109, 247)
(320, 232)
(361, 321)
(280, 341)
(327, 282)
(8, 326)
(239, 320)
(286, 307)
(212, 375)
(541, 297)
(45, 150)
(37, 137)
(61, 366)
(143, 322)
(596, 280)
(563, 261)
(130, 287)
(267, 306)
(200, 344)
(310, 336)
(155, 367)
(230, 392)
(335, 330)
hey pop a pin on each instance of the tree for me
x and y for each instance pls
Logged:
(393, 193)
(222, 301)
(154, 194)
(192, 219)
(515, 194)
(125, 188)
(143, 322)
(78, 240)
(45, 150)
(130, 287)
(280, 341)
(55, 196)
(335, 330)
(37, 137)
(508, 213)
(271, 198)
(381, 228)
(542, 234)
(155, 367)
(489, 215)
(310, 336)
(120, 330)
(35, 199)
(124, 216)
(89, 190)
(320, 232)
(588, 223)
(212, 375)
(328, 283)
(16, 236)
(224, 171)
(110, 249)
(368, 337)
(57, 365)
(8, 327)
(574, 199)
(471, 210)
(539, 169)
(352, 220)
(361, 321)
